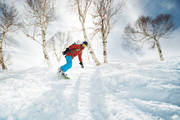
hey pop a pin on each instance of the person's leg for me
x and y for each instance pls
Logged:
(68, 64)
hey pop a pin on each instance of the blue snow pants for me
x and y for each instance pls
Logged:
(68, 64)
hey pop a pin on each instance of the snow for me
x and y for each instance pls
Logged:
(144, 90)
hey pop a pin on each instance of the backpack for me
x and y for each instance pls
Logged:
(68, 50)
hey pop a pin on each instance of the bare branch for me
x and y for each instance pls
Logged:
(58, 43)
(163, 25)
(41, 12)
(33, 38)
(104, 10)
(82, 9)
(148, 30)
(8, 23)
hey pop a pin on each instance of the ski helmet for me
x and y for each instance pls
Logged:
(85, 42)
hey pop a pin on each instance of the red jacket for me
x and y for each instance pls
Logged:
(75, 50)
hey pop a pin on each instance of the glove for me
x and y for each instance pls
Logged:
(82, 66)
(64, 52)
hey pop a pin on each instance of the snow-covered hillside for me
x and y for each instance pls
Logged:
(117, 91)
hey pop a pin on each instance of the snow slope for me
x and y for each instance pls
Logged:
(118, 91)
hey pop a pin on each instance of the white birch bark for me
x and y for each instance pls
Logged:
(82, 18)
(44, 46)
(159, 49)
(2, 62)
(89, 46)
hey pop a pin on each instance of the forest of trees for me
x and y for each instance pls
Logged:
(40, 13)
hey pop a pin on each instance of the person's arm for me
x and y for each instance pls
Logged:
(80, 60)
(80, 57)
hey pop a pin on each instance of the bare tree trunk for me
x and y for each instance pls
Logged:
(105, 50)
(55, 52)
(159, 50)
(104, 41)
(89, 46)
(3, 65)
(44, 45)
(82, 19)
(58, 58)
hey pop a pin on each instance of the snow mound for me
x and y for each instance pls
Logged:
(116, 91)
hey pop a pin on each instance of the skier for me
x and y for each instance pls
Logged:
(71, 52)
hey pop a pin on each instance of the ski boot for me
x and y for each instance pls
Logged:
(62, 75)
(59, 72)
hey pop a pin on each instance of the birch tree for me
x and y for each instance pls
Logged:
(40, 14)
(8, 23)
(150, 31)
(59, 42)
(104, 11)
(82, 7)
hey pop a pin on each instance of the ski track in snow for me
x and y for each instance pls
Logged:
(83, 98)
(119, 91)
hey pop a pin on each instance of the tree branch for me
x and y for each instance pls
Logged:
(33, 38)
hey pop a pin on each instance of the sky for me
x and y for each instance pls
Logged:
(68, 21)
(154, 7)
(136, 8)
(132, 10)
